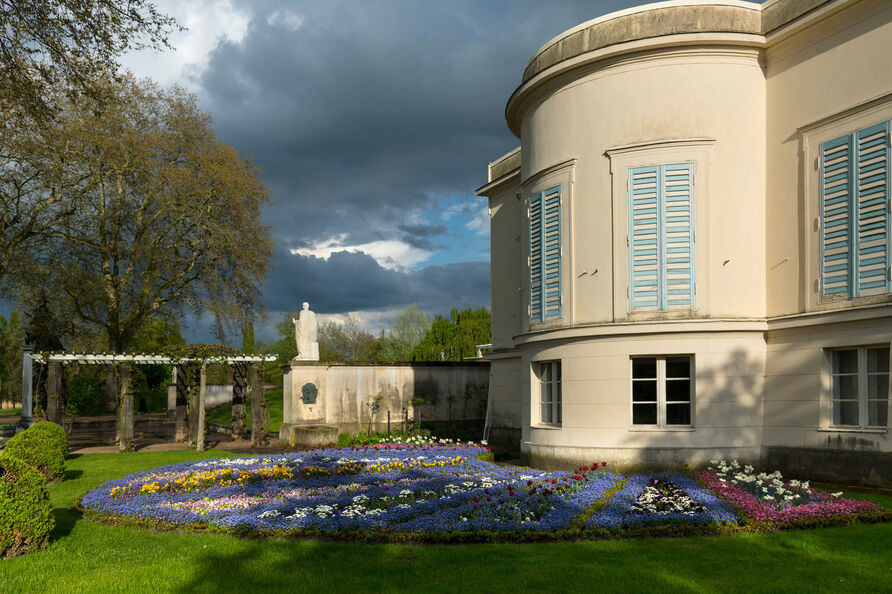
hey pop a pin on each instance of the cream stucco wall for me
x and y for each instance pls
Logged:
(832, 77)
(747, 99)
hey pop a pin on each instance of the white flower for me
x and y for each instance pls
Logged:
(839, 494)
(270, 513)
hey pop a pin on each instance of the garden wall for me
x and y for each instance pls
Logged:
(340, 395)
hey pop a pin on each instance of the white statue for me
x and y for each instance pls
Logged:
(305, 329)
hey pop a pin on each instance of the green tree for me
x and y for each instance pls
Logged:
(167, 220)
(455, 338)
(11, 336)
(409, 327)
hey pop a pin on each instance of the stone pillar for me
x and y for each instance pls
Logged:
(202, 394)
(258, 431)
(181, 414)
(54, 392)
(193, 407)
(125, 409)
(27, 393)
(239, 390)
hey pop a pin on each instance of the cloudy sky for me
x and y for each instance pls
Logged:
(373, 121)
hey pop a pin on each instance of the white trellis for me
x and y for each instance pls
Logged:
(122, 363)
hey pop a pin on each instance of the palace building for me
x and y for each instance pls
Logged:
(691, 245)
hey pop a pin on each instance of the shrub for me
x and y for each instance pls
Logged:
(54, 434)
(85, 395)
(39, 450)
(26, 515)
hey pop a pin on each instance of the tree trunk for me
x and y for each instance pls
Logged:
(239, 388)
(202, 389)
(258, 431)
(181, 416)
(111, 389)
(125, 410)
(54, 393)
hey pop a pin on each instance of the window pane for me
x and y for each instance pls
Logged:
(644, 414)
(877, 386)
(878, 360)
(546, 413)
(678, 367)
(557, 371)
(678, 390)
(557, 406)
(645, 367)
(878, 413)
(845, 412)
(678, 414)
(644, 391)
(845, 361)
(545, 372)
(845, 387)
(547, 393)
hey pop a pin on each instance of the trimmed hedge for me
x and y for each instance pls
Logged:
(54, 433)
(26, 514)
(38, 449)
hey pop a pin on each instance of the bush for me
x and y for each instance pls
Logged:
(86, 395)
(54, 433)
(39, 450)
(26, 515)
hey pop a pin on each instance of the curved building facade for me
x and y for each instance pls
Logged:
(690, 247)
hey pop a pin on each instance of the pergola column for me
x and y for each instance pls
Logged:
(181, 409)
(258, 431)
(54, 393)
(239, 391)
(125, 408)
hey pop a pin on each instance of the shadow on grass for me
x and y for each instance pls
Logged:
(835, 559)
(73, 474)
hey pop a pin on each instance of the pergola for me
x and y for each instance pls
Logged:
(190, 414)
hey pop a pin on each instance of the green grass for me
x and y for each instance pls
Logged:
(13, 412)
(223, 414)
(84, 556)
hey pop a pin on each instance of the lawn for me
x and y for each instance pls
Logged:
(87, 556)
(223, 414)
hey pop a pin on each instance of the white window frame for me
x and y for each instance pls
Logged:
(862, 376)
(661, 380)
(552, 389)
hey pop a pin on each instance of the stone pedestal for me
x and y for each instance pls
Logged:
(308, 435)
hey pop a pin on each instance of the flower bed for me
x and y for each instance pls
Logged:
(445, 491)
(765, 497)
(388, 489)
(650, 500)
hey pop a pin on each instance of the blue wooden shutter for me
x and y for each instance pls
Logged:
(677, 193)
(661, 237)
(535, 217)
(545, 254)
(552, 252)
(835, 177)
(872, 199)
(645, 258)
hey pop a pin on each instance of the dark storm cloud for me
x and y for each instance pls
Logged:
(355, 282)
(368, 111)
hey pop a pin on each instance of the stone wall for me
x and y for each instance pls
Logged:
(339, 395)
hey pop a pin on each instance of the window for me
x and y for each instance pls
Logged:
(661, 237)
(550, 392)
(545, 255)
(860, 386)
(854, 205)
(661, 390)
